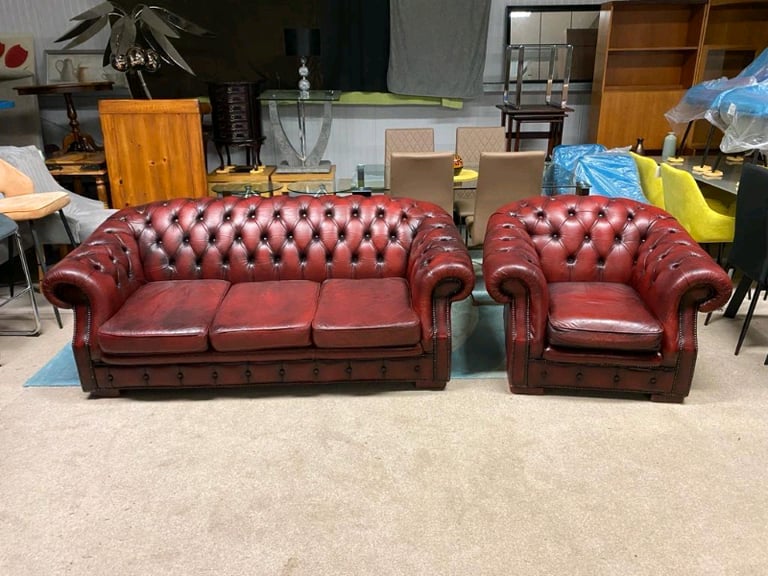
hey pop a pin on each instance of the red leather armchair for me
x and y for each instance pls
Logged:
(600, 294)
(226, 292)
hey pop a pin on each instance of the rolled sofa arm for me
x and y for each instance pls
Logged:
(439, 266)
(513, 273)
(99, 274)
(673, 271)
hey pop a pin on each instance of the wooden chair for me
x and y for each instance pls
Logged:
(154, 150)
(405, 140)
(424, 176)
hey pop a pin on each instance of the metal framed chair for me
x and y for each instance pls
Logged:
(22, 204)
(10, 230)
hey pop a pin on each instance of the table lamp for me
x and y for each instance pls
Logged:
(302, 42)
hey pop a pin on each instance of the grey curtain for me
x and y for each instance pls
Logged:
(437, 48)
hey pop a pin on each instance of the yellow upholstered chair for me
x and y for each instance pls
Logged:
(21, 204)
(684, 200)
(650, 180)
(503, 177)
(406, 140)
(423, 176)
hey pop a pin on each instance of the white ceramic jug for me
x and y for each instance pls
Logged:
(66, 70)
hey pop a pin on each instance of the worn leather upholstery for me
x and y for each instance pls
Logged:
(639, 336)
(152, 289)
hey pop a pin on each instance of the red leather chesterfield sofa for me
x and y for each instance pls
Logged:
(600, 294)
(241, 291)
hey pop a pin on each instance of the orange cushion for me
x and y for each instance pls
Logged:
(33, 206)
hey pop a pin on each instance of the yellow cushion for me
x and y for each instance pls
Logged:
(33, 206)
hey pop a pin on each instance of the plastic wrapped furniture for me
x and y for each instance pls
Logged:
(743, 116)
(560, 170)
(610, 173)
(600, 294)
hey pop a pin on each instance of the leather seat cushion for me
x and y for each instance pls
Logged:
(164, 317)
(367, 313)
(601, 316)
(264, 315)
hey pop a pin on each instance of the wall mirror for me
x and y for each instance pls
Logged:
(576, 25)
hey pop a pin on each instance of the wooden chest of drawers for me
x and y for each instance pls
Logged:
(236, 117)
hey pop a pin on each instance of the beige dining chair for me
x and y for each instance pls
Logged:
(471, 141)
(423, 176)
(405, 140)
(503, 177)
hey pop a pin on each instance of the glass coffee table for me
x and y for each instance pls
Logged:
(246, 189)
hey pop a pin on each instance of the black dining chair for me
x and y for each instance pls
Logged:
(749, 251)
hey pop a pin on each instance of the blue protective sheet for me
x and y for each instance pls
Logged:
(611, 173)
(559, 175)
(703, 100)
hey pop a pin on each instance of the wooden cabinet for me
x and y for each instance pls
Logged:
(236, 113)
(647, 54)
(650, 52)
(154, 150)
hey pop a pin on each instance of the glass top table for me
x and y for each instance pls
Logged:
(246, 189)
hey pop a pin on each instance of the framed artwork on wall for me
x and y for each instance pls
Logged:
(17, 57)
(64, 66)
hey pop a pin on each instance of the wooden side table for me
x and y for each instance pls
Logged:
(221, 177)
(75, 141)
(79, 165)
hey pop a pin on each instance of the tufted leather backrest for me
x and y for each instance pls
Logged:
(280, 238)
(589, 238)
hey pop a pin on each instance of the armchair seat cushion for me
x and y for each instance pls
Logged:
(601, 316)
(164, 317)
(282, 318)
(367, 313)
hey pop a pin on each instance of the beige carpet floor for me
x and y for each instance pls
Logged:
(364, 480)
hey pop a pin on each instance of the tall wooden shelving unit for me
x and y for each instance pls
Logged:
(646, 58)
